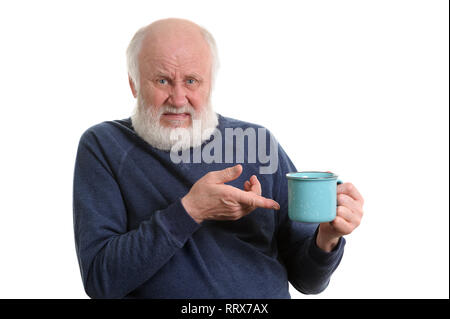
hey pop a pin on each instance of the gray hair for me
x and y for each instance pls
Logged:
(136, 44)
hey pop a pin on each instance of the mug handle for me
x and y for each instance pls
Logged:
(338, 182)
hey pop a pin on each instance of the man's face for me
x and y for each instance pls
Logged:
(175, 76)
(175, 84)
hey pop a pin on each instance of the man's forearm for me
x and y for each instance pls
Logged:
(126, 261)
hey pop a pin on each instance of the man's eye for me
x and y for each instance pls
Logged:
(191, 81)
(162, 81)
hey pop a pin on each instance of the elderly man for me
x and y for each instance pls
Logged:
(151, 224)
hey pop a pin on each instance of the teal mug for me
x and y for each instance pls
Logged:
(312, 196)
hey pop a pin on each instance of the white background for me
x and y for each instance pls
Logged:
(355, 87)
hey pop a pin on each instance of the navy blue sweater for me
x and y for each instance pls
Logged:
(134, 239)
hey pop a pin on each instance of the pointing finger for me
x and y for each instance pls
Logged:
(254, 200)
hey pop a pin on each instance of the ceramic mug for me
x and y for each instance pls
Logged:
(312, 196)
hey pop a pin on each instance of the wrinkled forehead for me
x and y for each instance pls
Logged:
(175, 48)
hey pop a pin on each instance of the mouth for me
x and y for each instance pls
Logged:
(176, 116)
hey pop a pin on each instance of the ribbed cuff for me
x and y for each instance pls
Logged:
(178, 223)
(322, 257)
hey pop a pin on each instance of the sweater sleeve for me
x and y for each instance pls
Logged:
(114, 261)
(309, 267)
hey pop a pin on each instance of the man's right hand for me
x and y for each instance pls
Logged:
(210, 198)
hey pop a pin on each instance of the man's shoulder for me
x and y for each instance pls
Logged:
(114, 134)
(228, 122)
(108, 128)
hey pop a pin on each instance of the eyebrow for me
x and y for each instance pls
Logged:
(189, 75)
(194, 75)
(162, 74)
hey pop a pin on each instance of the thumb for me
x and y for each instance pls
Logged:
(226, 175)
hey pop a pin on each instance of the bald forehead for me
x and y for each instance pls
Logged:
(169, 27)
(173, 34)
(174, 44)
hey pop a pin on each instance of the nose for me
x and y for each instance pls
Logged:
(178, 96)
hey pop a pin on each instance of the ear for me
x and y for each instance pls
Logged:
(132, 87)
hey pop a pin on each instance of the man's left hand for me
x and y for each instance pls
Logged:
(349, 213)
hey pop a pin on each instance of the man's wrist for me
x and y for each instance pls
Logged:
(188, 207)
(326, 243)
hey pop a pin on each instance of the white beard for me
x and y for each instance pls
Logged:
(146, 123)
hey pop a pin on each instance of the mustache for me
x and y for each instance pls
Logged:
(153, 113)
(177, 110)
